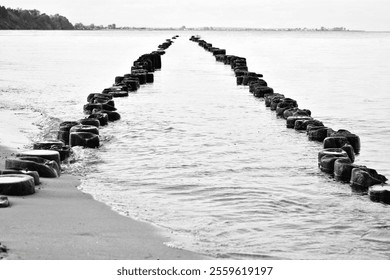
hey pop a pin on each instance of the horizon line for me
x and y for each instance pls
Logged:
(216, 28)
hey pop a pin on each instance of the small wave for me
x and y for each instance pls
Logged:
(81, 161)
(379, 235)
(243, 256)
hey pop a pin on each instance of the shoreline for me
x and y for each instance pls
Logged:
(60, 222)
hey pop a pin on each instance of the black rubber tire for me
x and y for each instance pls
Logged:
(16, 184)
(46, 154)
(48, 169)
(90, 121)
(101, 117)
(380, 194)
(84, 139)
(85, 128)
(343, 169)
(33, 174)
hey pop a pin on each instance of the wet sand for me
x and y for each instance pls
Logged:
(59, 222)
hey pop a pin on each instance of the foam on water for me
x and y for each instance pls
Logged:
(201, 157)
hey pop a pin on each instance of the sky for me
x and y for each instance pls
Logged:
(370, 15)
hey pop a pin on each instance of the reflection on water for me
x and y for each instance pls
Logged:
(201, 157)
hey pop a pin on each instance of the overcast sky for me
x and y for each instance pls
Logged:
(352, 14)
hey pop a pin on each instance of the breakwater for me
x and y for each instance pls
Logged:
(23, 172)
(339, 147)
(194, 140)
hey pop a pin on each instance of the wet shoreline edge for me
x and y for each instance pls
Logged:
(61, 222)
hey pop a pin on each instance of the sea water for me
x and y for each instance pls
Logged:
(198, 155)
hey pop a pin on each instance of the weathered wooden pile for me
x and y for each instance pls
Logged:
(339, 147)
(23, 172)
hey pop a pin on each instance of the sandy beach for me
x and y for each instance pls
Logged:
(59, 222)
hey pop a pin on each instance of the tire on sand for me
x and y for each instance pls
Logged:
(16, 184)
(46, 154)
(33, 174)
(45, 168)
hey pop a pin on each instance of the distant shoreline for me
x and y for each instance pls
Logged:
(211, 30)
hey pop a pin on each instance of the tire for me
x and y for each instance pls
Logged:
(380, 194)
(302, 124)
(239, 72)
(111, 116)
(248, 79)
(45, 168)
(102, 100)
(260, 91)
(102, 95)
(63, 133)
(16, 184)
(85, 128)
(285, 104)
(353, 139)
(332, 152)
(108, 106)
(268, 97)
(361, 179)
(54, 145)
(88, 108)
(317, 133)
(349, 150)
(239, 80)
(33, 174)
(118, 79)
(84, 139)
(64, 152)
(66, 126)
(48, 145)
(275, 101)
(90, 97)
(326, 163)
(295, 111)
(257, 83)
(335, 142)
(290, 122)
(141, 78)
(132, 83)
(90, 121)
(149, 78)
(343, 169)
(101, 117)
(120, 94)
(46, 154)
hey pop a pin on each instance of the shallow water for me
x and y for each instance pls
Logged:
(200, 156)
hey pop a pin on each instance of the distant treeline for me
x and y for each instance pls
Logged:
(31, 19)
(80, 26)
